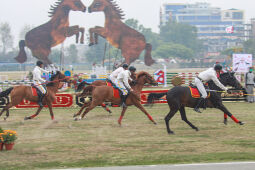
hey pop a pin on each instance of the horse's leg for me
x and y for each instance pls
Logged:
(122, 115)
(106, 108)
(184, 118)
(34, 115)
(73, 30)
(83, 106)
(94, 32)
(168, 118)
(51, 111)
(138, 105)
(225, 110)
(92, 106)
(82, 30)
(225, 119)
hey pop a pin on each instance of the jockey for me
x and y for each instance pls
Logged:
(132, 71)
(122, 83)
(115, 73)
(37, 80)
(205, 76)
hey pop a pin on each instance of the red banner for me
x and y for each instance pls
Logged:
(62, 100)
(145, 94)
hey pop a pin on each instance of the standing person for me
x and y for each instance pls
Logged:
(122, 83)
(249, 85)
(205, 76)
(38, 81)
(113, 76)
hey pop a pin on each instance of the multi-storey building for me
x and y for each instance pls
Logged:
(220, 29)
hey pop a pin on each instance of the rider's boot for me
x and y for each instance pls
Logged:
(124, 98)
(200, 103)
(40, 98)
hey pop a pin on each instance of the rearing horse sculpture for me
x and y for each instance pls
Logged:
(118, 34)
(40, 39)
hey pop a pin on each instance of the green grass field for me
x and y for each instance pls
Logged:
(100, 141)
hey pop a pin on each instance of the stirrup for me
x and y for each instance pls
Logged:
(40, 104)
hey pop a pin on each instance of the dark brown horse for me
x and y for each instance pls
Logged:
(40, 39)
(180, 97)
(101, 94)
(19, 93)
(118, 34)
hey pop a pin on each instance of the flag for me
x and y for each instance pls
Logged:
(230, 29)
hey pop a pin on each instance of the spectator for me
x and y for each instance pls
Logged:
(249, 85)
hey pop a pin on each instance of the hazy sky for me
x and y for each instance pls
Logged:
(35, 12)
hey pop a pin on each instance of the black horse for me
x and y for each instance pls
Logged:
(178, 97)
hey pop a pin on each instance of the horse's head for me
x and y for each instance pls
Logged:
(144, 77)
(74, 5)
(98, 5)
(229, 79)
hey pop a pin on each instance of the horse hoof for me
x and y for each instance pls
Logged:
(241, 123)
(5, 118)
(54, 121)
(171, 133)
(225, 122)
(27, 117)
(155, 123)
(76, 119)
(90, 44)
(197, 129)
(74, 115)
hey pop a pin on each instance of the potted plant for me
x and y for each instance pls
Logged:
(9, 136)
(1, 139)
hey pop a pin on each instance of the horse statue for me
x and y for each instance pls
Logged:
(178, 97)
(118, 34)
(101, 94)
(40, 39)
(19, 93)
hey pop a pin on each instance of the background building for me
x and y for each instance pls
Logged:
(220, 29)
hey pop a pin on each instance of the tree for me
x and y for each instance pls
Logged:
(24, 31)
(55, 55)
(171, 50)
(249, 47)
(72, 54)
(96, 52)
(180, 33)
(6, 39)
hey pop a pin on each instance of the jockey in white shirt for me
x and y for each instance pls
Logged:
(205, 76)
(115, 73)
(37, 80)
(122, 83)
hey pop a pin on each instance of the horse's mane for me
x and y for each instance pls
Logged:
(117, 9)
(52, 79)
(141, 73)
(54, 7)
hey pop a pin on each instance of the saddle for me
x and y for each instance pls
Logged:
(195, 92)
(35, 91)
(116, 91)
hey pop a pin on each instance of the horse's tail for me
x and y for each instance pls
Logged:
(147, 57)
(81, 86)
(154, 96)
(22, 56)
(6, 92)
(87, 91)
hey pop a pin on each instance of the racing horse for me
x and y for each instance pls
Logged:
(101, 94)
(19, 93)
(40, 39)
(180, 97)
(129, 41)
(83, 84)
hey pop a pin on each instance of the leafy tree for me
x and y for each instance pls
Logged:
(24, 30)
(96, 52)
(249, 47)
(171, 50)
(180, 33)
(6, 39)
(72, 54)
(55, 55)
